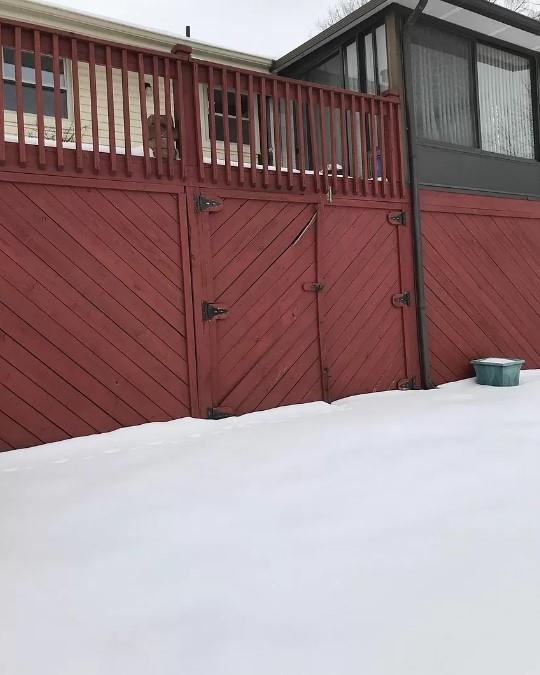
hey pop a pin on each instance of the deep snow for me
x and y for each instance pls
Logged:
(387, 534)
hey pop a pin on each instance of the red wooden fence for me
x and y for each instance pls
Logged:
(482, 282)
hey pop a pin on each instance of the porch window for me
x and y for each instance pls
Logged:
(29, 83)
(442, 81)
(504, 92)
(329, 72)
(472, 94)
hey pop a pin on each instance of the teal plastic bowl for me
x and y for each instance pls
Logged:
(497, 372)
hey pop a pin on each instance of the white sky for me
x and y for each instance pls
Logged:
(265, 27)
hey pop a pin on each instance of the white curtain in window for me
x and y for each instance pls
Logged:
(442, 87)
(504, 92)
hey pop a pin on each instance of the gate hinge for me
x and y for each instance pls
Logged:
(399, 218)
(219, 413)
(316, 287)
(401, 299)
(406, 384)
(211, 311)
(203, 203)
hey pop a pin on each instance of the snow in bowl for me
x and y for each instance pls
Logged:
(498, 372)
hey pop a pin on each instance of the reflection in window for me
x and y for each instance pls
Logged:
(382, 58)
(328, 72)
(371, 82)
(29, 83)
(352, 78)
(504, 92)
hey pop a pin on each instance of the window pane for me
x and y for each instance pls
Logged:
(504, 91)
(371, 82)
(29, 100)
(351, 67)
(382, 58)
(328, 72)
(28, 69)
(441, 65)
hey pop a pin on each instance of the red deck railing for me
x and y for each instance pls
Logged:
(73, 103)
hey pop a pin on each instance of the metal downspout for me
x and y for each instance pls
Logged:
(425, 370)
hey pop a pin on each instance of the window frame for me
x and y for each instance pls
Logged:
(476, 39)
(66, 88)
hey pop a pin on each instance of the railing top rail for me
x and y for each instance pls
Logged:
(386, 96)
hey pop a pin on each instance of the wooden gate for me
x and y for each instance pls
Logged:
(297, 300)
(94, 290)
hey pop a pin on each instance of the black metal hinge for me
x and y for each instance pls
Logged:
(406, 384)
(218, 413)
(401, 299)
(203, 203)
(399, 218)
(211, 311)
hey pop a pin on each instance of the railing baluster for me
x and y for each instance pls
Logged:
(239, 127)
(19, 97)
(157, 117)
(226, 135)
(197, 106)
(322, 124)
(212, 121)
(178, 86)
(313, 139)
(252, 147)
(373, 130)
(364, 140)
(93, 105)
(344, 148)
(168, 117)
(382, 137)
(59, 133)
(2, 130)
(39, 100)
(264, 131)
(288, 136)
(354, 145)
(144, 114)
(110, 110)
(76, 104)
(398, 147)
(277, 132)
(126, 112)
(300, 131)
(333, 159)
(392, 150)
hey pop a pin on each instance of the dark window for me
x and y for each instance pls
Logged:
(328, 72)
(244, 113)
(369, 64)
(29, 83)
(505, 102)
(383, 81)
(472, 94)
(442, 82)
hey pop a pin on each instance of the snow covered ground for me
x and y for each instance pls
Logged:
(388, 534)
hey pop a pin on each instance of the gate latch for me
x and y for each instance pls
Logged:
(203, 203)
(401, 299)
(211, 311)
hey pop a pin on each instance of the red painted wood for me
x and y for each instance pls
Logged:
(315, 160)
(239, 128)
(299, 106)
(19, 98)
(76, 105)
(144, 114)
(482, 286)
(39, 99)
(58, 104)
(169, 118)
(110, 110)
(126, 113)
(157, 111)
